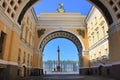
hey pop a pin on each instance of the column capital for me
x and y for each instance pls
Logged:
(115, 27)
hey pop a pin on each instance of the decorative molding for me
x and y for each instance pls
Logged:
(81, 32)
(40, 32)
(104, 42)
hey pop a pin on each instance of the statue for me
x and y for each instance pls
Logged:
(60, 8)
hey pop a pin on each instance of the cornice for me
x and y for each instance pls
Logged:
(105, 41)
(17, 29)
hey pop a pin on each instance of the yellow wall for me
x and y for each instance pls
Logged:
(10, 43)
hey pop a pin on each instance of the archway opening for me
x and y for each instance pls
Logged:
(69, 59)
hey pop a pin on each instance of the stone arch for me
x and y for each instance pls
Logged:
(61, 34)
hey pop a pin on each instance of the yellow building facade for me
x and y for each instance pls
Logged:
(16, 41)
(23, 37)
(97, 30)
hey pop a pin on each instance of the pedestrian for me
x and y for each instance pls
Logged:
(45, 72)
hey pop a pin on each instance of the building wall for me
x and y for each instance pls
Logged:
(97, 37)
(19, 48)
(66, 66)
(15, 45)
(100, 60)
(27, 42)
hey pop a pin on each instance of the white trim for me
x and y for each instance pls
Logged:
(116, 63)
(99, 45)
(23, 65)
(101, 65)
(8, 62)
(106, 65)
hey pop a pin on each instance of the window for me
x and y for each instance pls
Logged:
(93, 37)
(18, 72)
(89, 38)
(24, 57)
(31, 60)
(27, 20)
(22, 27)
(100, 57)
(97, 33)
(19, 53)
(95, 20)
(106, 53)
(31, 25)
(2, 40)
(28, 60)
(95, 56)
(26, 35)
(29, 38)
(103, 29)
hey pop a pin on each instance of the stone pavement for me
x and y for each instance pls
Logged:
(66, 77)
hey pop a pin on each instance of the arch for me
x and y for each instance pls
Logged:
(61, 34)
(24, 10)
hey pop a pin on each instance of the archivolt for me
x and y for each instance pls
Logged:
(61, 34)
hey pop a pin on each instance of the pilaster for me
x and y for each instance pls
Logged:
(114, 42)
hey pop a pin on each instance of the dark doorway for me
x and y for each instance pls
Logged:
(100, 70)
(24, 69)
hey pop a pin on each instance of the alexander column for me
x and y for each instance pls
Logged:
(58, 62)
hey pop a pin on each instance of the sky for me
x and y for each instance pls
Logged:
(67, 48)
(81, 6)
